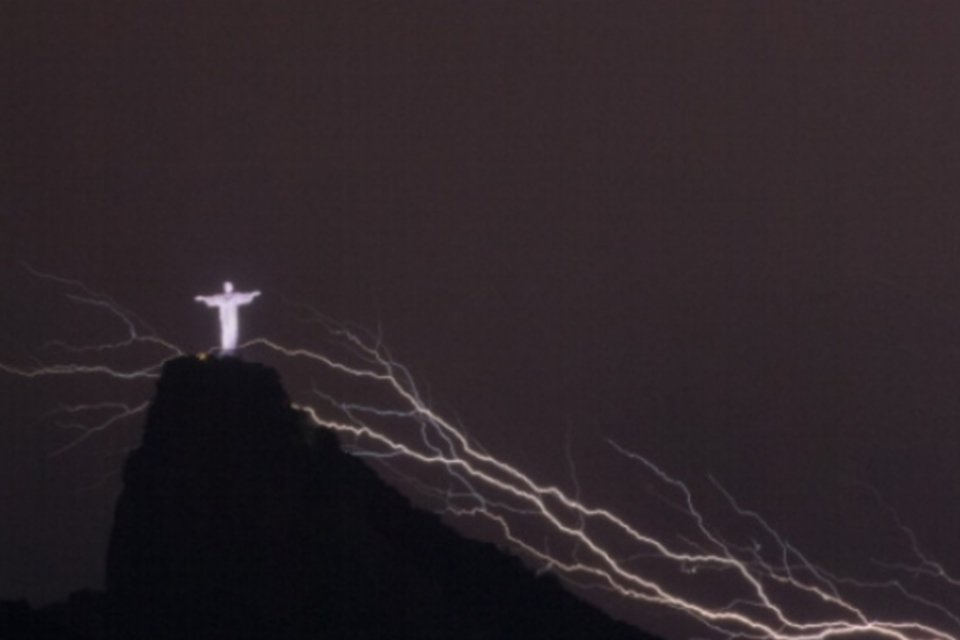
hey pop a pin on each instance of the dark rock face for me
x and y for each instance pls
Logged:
(79, 618)
(238, 521)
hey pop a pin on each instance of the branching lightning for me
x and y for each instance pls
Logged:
(497, 491)
(92, 418)
(769, 589)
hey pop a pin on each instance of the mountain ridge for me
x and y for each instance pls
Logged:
(239, 519)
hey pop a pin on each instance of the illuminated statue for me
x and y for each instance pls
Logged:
(228, 301)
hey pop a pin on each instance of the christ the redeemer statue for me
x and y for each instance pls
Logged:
(228, 301)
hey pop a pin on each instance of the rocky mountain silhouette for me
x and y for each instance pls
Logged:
(238, 520)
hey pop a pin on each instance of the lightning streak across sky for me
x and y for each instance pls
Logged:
(101, 359)
(757, 587)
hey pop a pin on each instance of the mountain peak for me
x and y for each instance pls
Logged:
(234, 523)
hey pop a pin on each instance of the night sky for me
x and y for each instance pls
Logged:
(722, 234)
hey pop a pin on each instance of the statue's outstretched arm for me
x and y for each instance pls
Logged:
(206, 300)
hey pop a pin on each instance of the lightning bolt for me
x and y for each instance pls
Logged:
(769, 589)
(90, 419)
(500, 492)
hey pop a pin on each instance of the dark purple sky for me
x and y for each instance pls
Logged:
(724, 234)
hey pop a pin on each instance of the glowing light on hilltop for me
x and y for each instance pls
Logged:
(766, 598)
(228, 302)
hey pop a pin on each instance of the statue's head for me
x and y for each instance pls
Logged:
(228, 287)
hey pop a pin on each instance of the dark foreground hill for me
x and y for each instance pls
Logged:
(238, 521)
